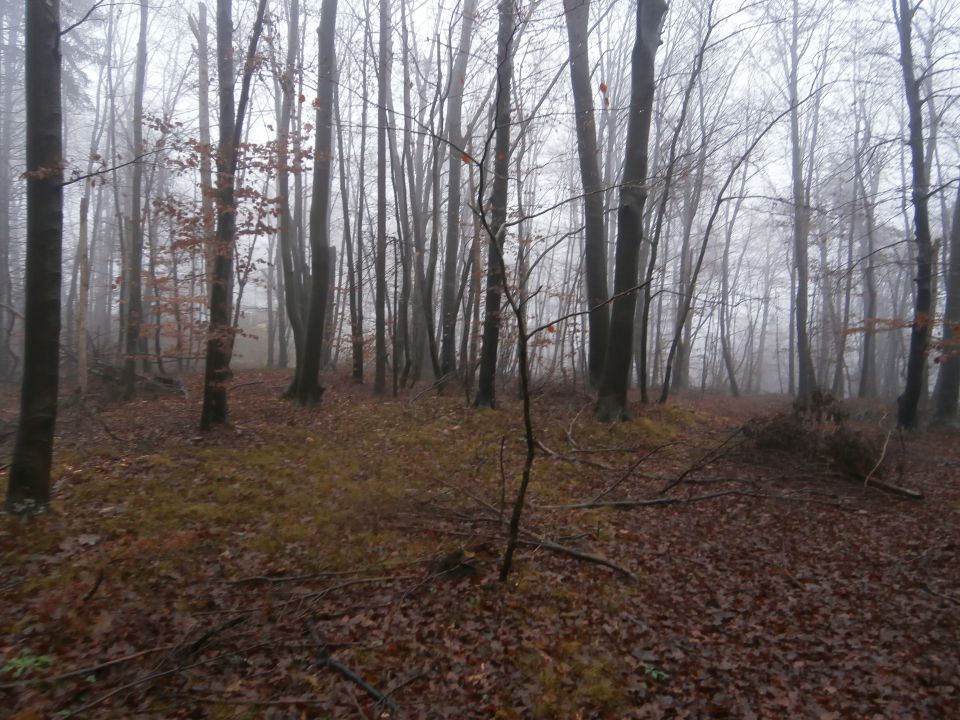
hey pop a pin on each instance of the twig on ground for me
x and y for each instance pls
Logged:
(883, 454)
(580, 461)
(629, 471)
(90, 670)
(197, 644)
(96, 586)
(624, 504)
(564, 550)
(569, 432)
(708, 457)
(325, 660)
(397, 688)
(941, 595)
(150, 677)
(279, 579)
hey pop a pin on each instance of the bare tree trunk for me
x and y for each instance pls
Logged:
(948, 388)
(309, 389)
(208, 221)
(134, 270)
(291, 258)
(806, 380)
(458, 155)
(8, 41)
(612, 396)
(486, 384)
(920, 329)
(28, 488)
(380, 269)
(577, 14)
(219, 334)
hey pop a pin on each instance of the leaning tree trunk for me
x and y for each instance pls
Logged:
(28, 488)
(595, 252)
(486, 384)
(920, 330)
(612, 397)
(308, 365)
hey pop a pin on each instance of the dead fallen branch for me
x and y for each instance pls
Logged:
(578, 461)
(579, 555)
(708, 457)
(630, 470)
(325, 660)
(84, 671)
(156, 675)
(625, 504)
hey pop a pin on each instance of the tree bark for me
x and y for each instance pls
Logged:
(219, 333)
(577, 14)
(486, 382)
(612, 397)
(380, 262)
(134, 269)
(948, 389)
(920, 328)
(28, 489)
(309, 389)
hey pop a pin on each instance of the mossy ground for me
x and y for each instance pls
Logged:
(332, 524)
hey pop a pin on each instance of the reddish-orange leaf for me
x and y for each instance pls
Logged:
(603, 88)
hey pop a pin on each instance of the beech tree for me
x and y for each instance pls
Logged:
(28, 488)
(486, 380)
(577, 14)
(219, 334)
(907, 417)
(309, 390)
(612, 396)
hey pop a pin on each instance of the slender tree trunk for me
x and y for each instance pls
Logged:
(28, 488)
(8, 41)
(448, 356)
(920, 329)
(486, 384)
(380, 269)
(948, 388)
(612, 397)
(577, 14)
(290, 257)
(220, 332)
(806, 380)
(309, 390)
(132, 275)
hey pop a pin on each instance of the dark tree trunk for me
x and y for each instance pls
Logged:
(309, 390)
(920, 330)
(945, 409)
(28, 489)
(486, 382)
(219, 334)
(595, 252)
(612, 397)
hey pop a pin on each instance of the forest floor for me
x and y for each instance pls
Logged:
(343, 562)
